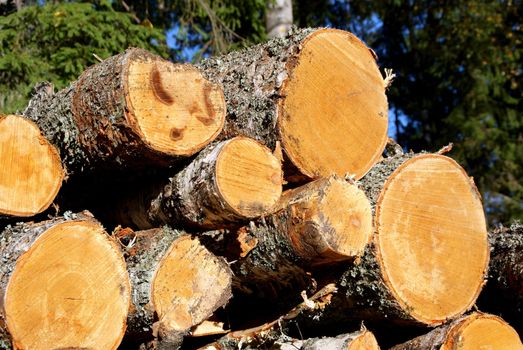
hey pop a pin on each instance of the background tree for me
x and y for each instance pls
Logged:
(457, 64)
(57, 42)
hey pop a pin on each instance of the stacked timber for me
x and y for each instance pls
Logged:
(254, 210)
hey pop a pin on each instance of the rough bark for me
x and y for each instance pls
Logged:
(256, 83)
(363, 340)
(460, 333)
(307, 230)
(187, 289)
(196, 197)
(365, 288)
(15, 244)
(503, 293)
(93, 121)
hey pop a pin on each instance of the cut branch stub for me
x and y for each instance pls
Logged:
(318, 91)
(177, 283)
(471, 332)
(31, 173)
(228, 182)
(131, 109)
(63, 284)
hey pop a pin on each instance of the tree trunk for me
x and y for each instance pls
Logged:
(132, 109)
(176, 284)
(63, 285)
(278, 18)
(323, 222)
(503, 293)
(31, 173)
(429, 255)
(474, 331)
(318, 93)
(229, 182)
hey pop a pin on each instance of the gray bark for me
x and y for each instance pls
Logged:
(278, 18)
(143, 256)
(252, 79)
(87, 120)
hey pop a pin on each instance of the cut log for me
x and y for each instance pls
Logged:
(326, 221)
(472, 332)
(132, 109)
(503, 293)
(361, 340)
(176, 284)
(317, 91)
(31, 173)
(429, 256)
(228, 182)
(63, 285)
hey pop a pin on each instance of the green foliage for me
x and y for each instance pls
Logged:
(459, 80)
(57, 42)
(205, 27)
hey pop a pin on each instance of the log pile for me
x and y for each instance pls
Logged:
(255, 210)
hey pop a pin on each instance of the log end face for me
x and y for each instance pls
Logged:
(334, 117)
(31, 173)
(189, 285)
(365, 341)
(347, 215)
(173, 107)
(482, 331)
(62, 293)
(332, 222)
(431, 238)
(248, 177)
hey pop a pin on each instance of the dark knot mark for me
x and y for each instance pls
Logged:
(159, 91)
(206, 118)
(177, 133)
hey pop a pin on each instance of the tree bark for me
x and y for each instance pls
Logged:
(176, 284)
(429, 254)
(360, 340)
(312, 92)
(228, 183)
(278, 18)
(31, 173)
(324, 222)
(503, 293)
(474, 331)
(63, 284)
(133, 109)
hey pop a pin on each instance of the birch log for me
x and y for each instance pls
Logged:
(63, 285)
(429, 255)
(176, 284)
(132, 109)
(471, 332)
(317, 92)
(228, 182)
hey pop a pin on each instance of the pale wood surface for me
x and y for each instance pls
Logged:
(31, 172)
